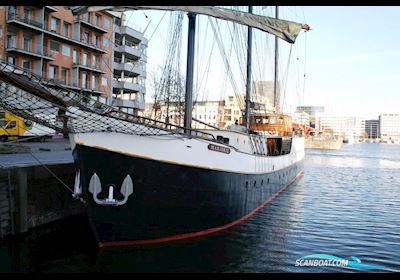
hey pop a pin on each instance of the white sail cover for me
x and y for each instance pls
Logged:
(286, 30)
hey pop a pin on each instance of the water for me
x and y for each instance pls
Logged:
(346, 204)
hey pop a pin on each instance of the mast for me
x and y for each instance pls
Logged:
(248, 77)
(189, 73)
(276, 65)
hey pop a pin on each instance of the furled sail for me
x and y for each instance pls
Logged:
(286, 30)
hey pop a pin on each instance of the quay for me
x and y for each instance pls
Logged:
(30, 195)
(323, 143)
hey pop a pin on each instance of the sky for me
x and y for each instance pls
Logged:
(349, 62)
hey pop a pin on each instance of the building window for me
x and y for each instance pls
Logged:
(52, 71)
(11, 60)
(27, 14)
(85, 59)
(97, 20)
(106, 42)
(84, 79)
(104, 81)
(85, 37)
(54, 46)
(66, 50)
(27, 44)
(11, 41)
(75, 56)
(86, 17)
(12, 10)
(96, 40)
(55, 24)
(64, 76)
(67, 27)
(26, 65)
(106, 22)
(95, 81)
(94, 61)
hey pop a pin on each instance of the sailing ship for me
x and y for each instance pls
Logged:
(176, 186)
(146, 181)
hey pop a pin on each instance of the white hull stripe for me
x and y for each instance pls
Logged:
(188, 152)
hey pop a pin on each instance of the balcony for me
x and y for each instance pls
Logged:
(130, 52)
(96, 90)
(82, 43)
(129, 68)
(91, 25)
(127, 86)
(133, 34)
(94, 68)
(40, 27)
(36, 52)
(51, 8)
(30, 23)
(118, 102)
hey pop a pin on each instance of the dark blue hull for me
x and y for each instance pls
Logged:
(171, 200)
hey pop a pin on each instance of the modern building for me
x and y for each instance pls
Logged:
(51, 42)
(76, 51)
(232, 111)
(206, 112)
(341, 126)
(263, 93)
(372, 128)
(220, 113)
(389, 127)
(130, 57)
(301, 118)
(209, 112)
(311, 111)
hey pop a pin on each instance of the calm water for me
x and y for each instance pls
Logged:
(346, 204)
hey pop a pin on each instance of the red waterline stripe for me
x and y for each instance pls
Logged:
(198, 233)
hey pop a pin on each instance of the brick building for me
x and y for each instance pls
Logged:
(77, 51)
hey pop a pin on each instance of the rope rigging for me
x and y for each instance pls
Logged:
(26, 94)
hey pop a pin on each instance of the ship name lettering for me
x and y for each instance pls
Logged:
(219, 149)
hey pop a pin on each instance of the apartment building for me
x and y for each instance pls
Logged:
(232, 111)
(262, 92)
(206, 112)
(77, 51)
(129, 64)
(372, 128)
(311, 111)
(341, 126)
(301, 118)
(389, 126)
(209, 112)
(51, 42)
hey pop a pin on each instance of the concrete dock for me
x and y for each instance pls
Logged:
(323, 144)
(29, 194)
